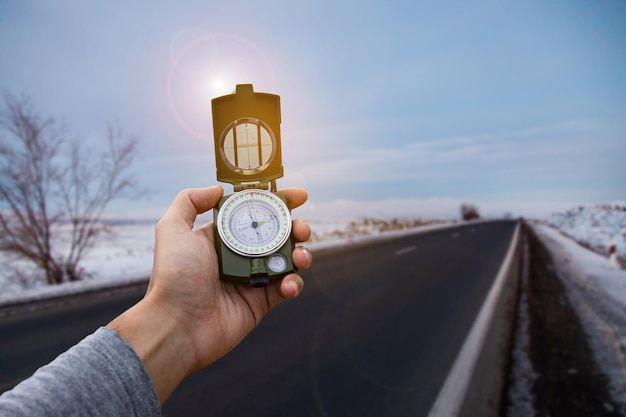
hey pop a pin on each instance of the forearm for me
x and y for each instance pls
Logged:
(101, 376)
(160, 342)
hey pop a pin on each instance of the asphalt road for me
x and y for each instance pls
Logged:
(374, 333)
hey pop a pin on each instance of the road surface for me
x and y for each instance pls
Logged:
(375, 332)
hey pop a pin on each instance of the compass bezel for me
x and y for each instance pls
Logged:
(230, 239)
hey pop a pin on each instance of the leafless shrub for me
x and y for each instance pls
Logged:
(49, 182)
(469, 212)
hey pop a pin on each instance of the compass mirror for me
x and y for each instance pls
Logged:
(248, 146)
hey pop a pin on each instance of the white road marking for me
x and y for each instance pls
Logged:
(452, 394)
(406, 250)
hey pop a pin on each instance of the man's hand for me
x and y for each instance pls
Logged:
(189, 318)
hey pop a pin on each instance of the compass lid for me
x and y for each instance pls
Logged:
(246, 129)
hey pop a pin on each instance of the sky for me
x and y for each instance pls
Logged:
(403, 108)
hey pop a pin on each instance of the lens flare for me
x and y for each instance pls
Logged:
(207, 65)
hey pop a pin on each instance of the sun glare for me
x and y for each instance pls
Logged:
(205, 66)
(218, 86)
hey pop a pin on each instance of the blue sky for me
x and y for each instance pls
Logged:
(388, 106)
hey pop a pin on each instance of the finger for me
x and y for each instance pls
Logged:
(291, 286)
(295, 196)
(276, 292)
(191, 202)
(301, 230)
(302, 257)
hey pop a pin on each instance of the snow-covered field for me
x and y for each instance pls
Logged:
(596, 226)
(122, 256)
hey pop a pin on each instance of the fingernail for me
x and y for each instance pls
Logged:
(309, 256)
(294, 286)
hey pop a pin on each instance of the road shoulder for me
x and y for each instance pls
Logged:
(567, 379)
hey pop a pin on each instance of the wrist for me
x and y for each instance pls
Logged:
(160, 342)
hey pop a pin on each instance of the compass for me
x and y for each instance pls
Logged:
(253, 237)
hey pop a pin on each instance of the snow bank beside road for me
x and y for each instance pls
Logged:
(587, 264)
(598, 294)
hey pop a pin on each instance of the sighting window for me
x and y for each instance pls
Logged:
(248, 145)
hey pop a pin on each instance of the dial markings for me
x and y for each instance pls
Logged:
(254, 223)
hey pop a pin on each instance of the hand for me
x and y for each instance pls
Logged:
(189, 318)
(185, 278)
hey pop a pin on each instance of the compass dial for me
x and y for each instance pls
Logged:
(254, 223)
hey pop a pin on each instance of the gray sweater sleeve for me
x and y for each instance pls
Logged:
(100, 376)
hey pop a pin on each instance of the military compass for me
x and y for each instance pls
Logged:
(253, 225)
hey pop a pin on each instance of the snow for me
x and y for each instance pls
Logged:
(598, 294)
(596, 287)
(123, 256)
(521, 399)
(578, 240)
(596, 226)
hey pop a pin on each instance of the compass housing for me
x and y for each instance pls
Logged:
(247, 142)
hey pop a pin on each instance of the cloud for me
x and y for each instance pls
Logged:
(535, 157)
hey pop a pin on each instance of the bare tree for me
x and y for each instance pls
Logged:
(51, 184)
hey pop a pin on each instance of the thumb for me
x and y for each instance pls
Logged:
(190, 203)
